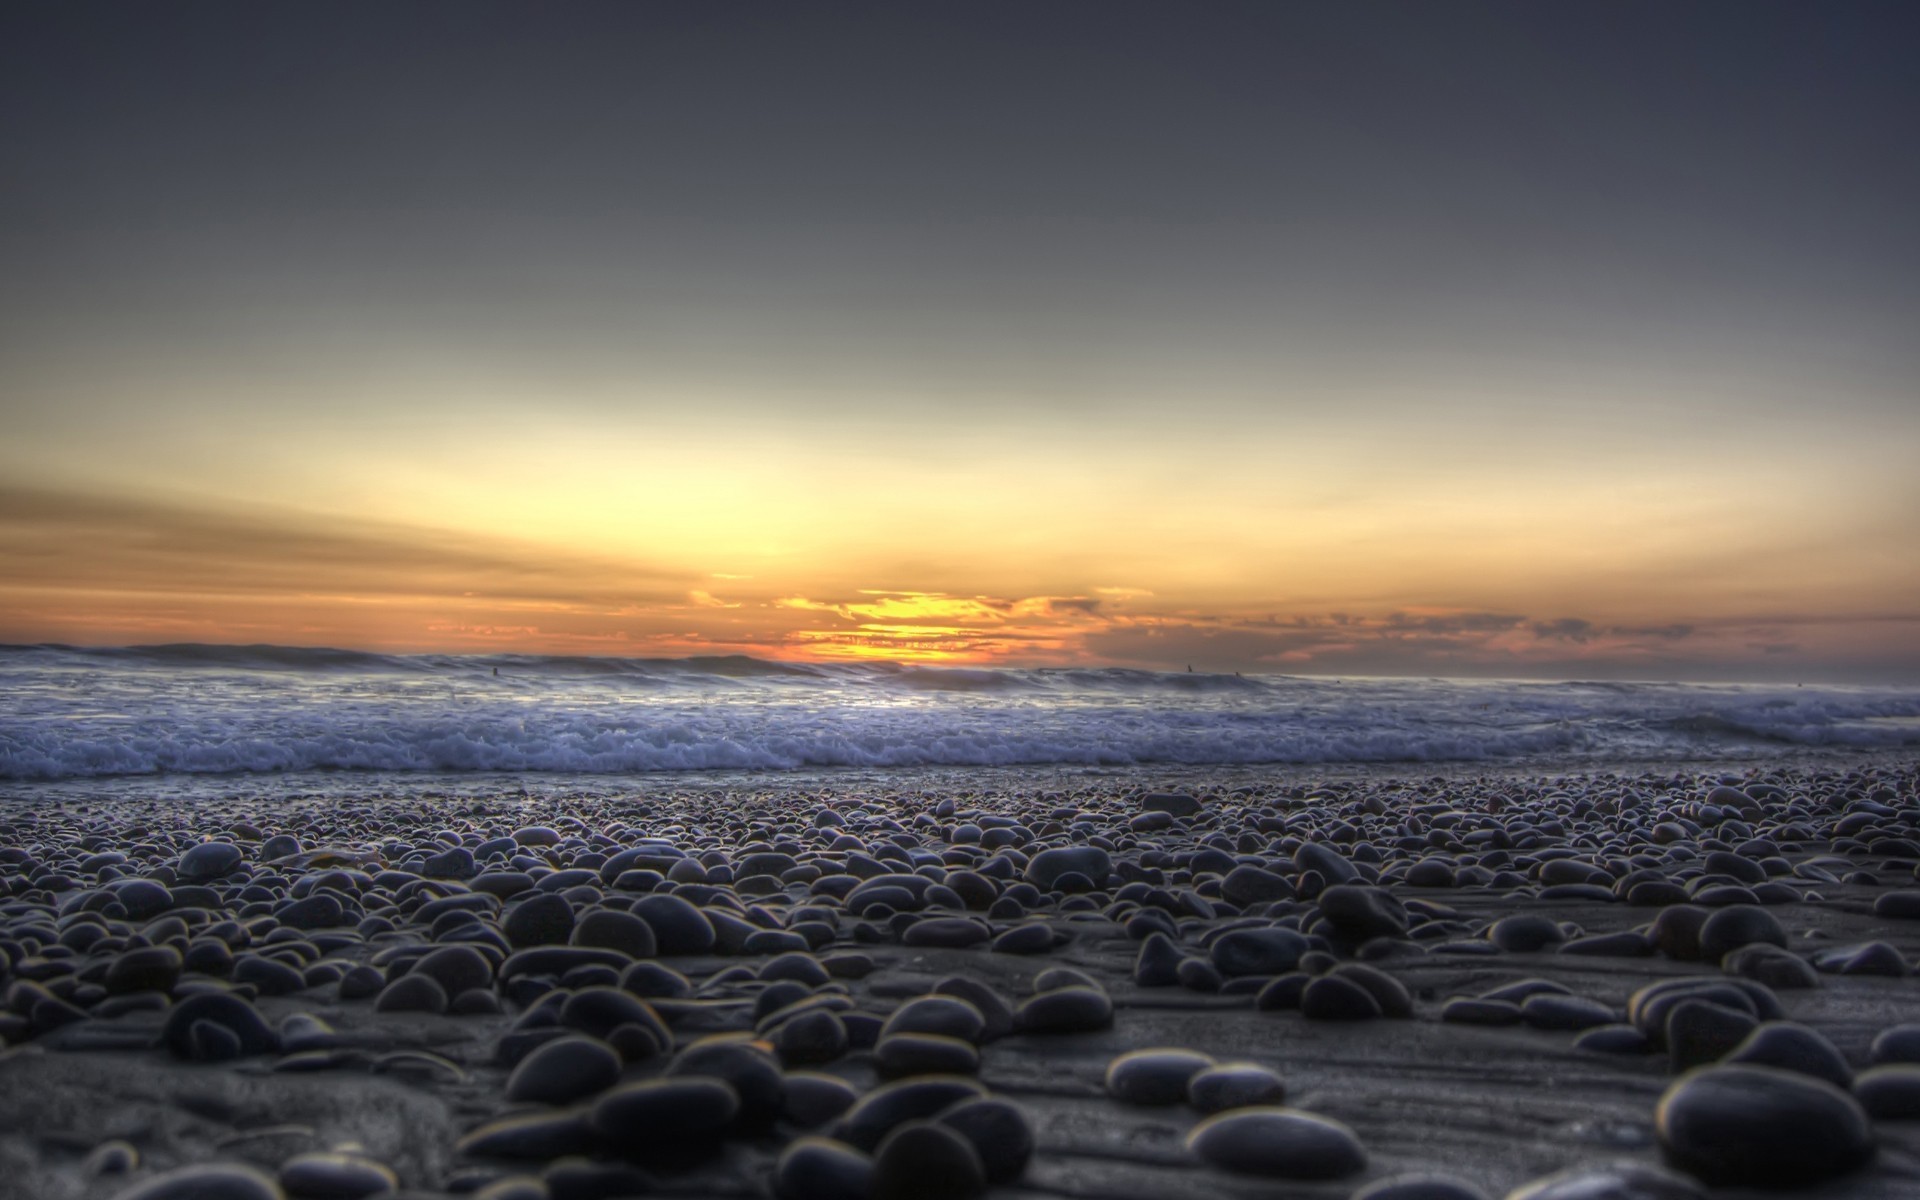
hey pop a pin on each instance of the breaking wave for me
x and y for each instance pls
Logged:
(70, 713)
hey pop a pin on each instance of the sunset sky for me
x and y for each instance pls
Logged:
(1431, 338)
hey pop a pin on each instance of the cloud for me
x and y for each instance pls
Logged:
(1566, 629)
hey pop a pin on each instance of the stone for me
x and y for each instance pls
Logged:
(1611, 1181)
(1235, 1085)
(1737, 925)
(1278, 1142)
(678, 927)
(1759, 1126)
(816, 1168)
(563, 1071)
(1257, 951)
(1792, 1047)
(1046, 867)
(611, 929)
(1065, 1010)
(250, 1030)
(544, 919)
(221, 1181)
(925, 1160)
(325, 1176)
(1889, 1092)
(689, 1112)
(1154, 1077)
(999, 1133)
(209, 860)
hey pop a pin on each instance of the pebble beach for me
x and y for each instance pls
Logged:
(1659, 983)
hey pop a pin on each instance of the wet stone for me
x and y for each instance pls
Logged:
(816, 1168)
(925, 1160)
(1278, 1142)
(1758, 1126)
(1234, 1085)
(1890, 1092)
(335, 1177)
(224, 1181)
(999, 1133)
(665, 1114)
(563, 1071)
(1154, 1077)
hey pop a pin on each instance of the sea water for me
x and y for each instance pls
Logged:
(77, 714)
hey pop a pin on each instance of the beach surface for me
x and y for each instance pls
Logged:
(901, 986)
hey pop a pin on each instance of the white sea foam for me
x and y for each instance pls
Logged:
(68, 714)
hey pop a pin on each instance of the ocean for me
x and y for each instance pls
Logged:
(235, 712)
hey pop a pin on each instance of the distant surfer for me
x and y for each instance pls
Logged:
(496, 672)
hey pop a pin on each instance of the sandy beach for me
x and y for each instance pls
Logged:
(830, 990)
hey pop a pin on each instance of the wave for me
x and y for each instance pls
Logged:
(185, 709)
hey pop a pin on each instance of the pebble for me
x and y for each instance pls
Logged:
(1235, 1085)
(1611, 1181)
(1792, 1047)
(1419, 1186)
(1065, 1010)
(656, 1115)
(335, 1177)
(563, 1071)
(816, 1168)
(925, 1160)
(1279, 1142)
(1154, 1077)
(221, 1181)
(999, 1133)
(1734, 1126)
(1889, 1092)
(1257, 951)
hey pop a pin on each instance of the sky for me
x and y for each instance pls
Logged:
(1571, 340)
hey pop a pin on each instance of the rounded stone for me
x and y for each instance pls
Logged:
(1896, 1044)
(1278, 1142)
(925, 1160)
(1257, 951)
(1738, 925)
(230, 1012)
(209, 860)
(1741, 1125)
(664, 1114)
(678, 927)
(813, 1099)
(902, 1054)
(564, 1070)
(1792, 1047)
(222, 1181)
(611, 929)
(456, 969)
(890, 1104)
(1065, 1010)
(949, 1016)
(412, 993)
(1332, 998)
(1235, 1085)
(816, 1168)
(1046, 867)
(1611, 1181)
(1890, 1092)
(1154, 1077)
(1525, 933)
(325, 1176)
(147, 968)
(999, 1132)
(1419, 1186)
(544, 919)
